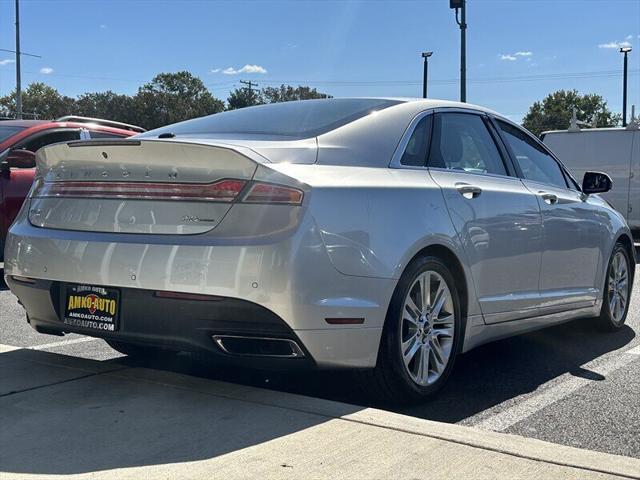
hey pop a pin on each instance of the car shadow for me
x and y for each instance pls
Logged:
(482, 378)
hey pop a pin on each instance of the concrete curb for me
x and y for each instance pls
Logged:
(530, 449)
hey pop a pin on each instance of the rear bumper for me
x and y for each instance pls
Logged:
(170, 323)
(285, 287)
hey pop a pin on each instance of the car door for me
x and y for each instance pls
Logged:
(497, 218)
(574, 228)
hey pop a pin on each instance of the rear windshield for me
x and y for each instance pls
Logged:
(6, 131)
(301, 119)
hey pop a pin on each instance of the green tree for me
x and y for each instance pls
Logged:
(107, 105)
(40, 101)
(287, 93)
(243, 97)
(173, 97)
(555, 110)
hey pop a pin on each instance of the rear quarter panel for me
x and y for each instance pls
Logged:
(373, 221)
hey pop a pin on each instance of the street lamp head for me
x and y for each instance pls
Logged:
(625, 49)
(426, 54)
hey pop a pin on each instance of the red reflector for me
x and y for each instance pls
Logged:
(187, 296)
(223, 190)
(267, 193)
(344, 321)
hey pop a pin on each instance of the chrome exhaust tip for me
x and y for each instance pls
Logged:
(258, 346)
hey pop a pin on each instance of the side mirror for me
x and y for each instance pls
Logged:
(596, 182)
(21, 158)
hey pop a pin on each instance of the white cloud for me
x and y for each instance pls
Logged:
(46, 70)
(615, 44)
(6, 61)
(512, 57)
(246, 69)
(214, 70)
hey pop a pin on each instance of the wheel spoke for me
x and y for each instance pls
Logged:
(409, 349)
(439, 301)
(438, 355)
(425, 291)
(412, 309)
(613, 304)
(423, 371)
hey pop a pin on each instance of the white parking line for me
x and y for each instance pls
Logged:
(47, 346)
(533, 404)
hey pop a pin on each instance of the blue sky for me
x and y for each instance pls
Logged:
(518, 50)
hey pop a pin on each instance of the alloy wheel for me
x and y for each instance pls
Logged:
(618, 282)
(427, 328)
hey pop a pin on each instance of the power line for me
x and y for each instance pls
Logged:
(479, 80)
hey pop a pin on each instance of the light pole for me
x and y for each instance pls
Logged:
(425, 75)
(626, 51)
(18, 82)
(462, 5)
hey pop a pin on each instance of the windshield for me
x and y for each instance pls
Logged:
(301, 119)
(7, 131)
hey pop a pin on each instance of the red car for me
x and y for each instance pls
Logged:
(20, 139)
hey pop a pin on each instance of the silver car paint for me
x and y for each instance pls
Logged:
(342, 252)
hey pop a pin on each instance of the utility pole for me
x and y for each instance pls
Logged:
(18, 80)
(462, 6)
(625, 51)
(425, 75)
(250, 84)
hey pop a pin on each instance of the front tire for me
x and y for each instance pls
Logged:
(422, 335)
(617, 291)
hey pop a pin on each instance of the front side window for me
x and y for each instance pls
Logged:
(536, 164)
(462, 142)
(415, 153)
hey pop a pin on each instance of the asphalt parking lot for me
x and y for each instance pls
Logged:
(569, 384)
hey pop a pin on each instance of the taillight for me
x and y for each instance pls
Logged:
(227, 190)
(221, 191)
(269, 193)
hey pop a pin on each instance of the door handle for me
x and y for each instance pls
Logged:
(468, 191)
(549, 198)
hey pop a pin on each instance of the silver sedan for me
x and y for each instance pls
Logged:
(380, 234)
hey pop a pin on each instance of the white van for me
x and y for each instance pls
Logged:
(615, 151)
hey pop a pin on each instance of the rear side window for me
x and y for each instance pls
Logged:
(536, 164)
(38, 141)
(95, 134)
(462, 142)
(415, 153)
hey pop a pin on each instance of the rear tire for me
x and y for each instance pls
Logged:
(617, 291)
(140, 352)
(422, 336)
